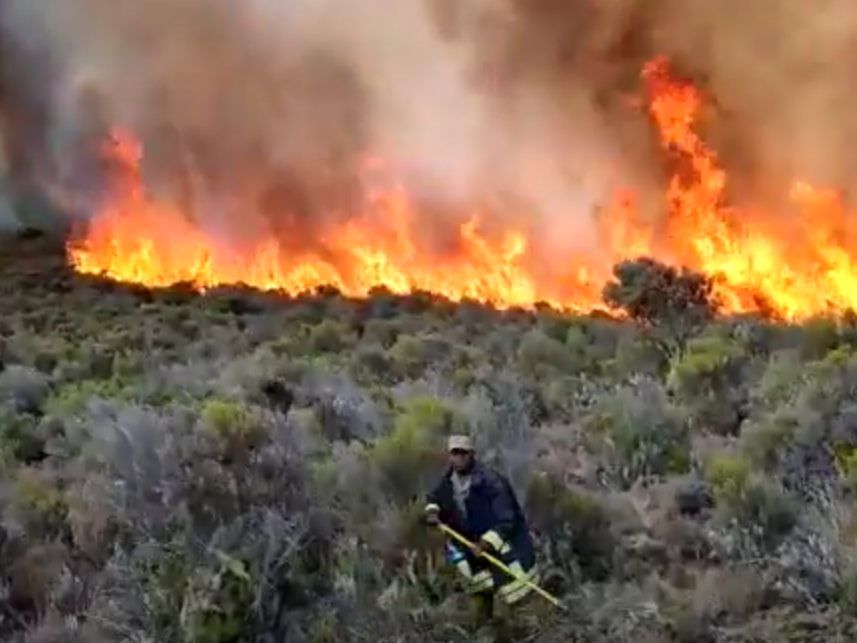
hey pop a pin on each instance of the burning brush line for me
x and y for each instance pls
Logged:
(788, 267)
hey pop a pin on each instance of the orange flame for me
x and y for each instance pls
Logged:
(792, 267)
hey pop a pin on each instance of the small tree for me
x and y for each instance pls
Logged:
(673, 304)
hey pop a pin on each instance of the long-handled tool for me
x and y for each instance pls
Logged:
(501, 565)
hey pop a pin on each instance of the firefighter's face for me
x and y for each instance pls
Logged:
(460, 459)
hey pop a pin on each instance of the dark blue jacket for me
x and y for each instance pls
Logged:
(491, 507)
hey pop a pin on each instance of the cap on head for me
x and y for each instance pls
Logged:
(459, 443)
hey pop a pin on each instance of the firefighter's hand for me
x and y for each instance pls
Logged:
(432, 517)
(481, 547)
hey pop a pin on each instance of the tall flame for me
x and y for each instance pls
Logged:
(792, 266)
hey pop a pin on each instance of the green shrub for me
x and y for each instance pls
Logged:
(410, 355)
(640, 354)
(763, 440)
(39, 503)
(70, 399)
(646, 434)
(846, 463)
(371, 363)
(780, 380)
(382, 331)
(217, 605)
(708, 377)
(709, 361)
(164, 572)
(766, 506)
(19, 436)
(554, 327)
(751, 499)
(729, 476)
(847, 594)
(238, 429)
(576, 341)
(819, 336)
(576, 519)
(559, 397)
(330, 336)
(408, 454)
(541, 355)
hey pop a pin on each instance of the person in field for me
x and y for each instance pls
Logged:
(480, 504)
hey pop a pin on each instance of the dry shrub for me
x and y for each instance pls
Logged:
(728, 593)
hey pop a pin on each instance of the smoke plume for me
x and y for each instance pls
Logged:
(259, 115)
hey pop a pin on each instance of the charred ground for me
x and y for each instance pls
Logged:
(243, 466)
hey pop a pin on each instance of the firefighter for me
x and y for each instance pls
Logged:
(480, 504)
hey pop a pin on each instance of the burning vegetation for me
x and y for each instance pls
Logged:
(791, 266)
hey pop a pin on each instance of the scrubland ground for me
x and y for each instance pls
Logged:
(245, 467)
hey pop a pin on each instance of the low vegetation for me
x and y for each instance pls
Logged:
(246, 467)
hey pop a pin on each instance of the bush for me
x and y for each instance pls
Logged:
(673, 305)
(763, 440)
(541, 356)
(577, 522)
(708, 378)
(639, 354)
(20, 438)
(238, 429)
(729, 476)
(330, 337)
(408, 454)
(646, 434)
(847, 595)
(24, 389)
(217, 604)
(39, 504)
(411, 356)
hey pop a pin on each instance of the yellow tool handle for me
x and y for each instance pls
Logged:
(555, 601)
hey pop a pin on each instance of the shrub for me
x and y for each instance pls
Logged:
(847, 595)
(39, 504)
(540, 355)
(411, 355)
(640, 354)
(673, 305)
(750, 498)
(20, 438)
(766, 506)
(408, 454)
(731, 593)
(163, 571)
(846, 462)
(371, 363)
(729, 476)
(23, 388)
(238, 429)
(575, 521)
(71, 399)
(763, 440)
(819, 336)
(330, 336)
(780, 380)
(217, 606)
(708, 377)
(646, 434)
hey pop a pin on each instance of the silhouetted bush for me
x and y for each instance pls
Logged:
(675, 304)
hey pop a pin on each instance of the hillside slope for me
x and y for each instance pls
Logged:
(243, 467)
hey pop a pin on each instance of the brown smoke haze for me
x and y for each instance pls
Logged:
(259, 114)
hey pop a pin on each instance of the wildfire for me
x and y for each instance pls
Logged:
(793, 266)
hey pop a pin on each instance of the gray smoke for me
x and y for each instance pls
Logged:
(258, 115)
